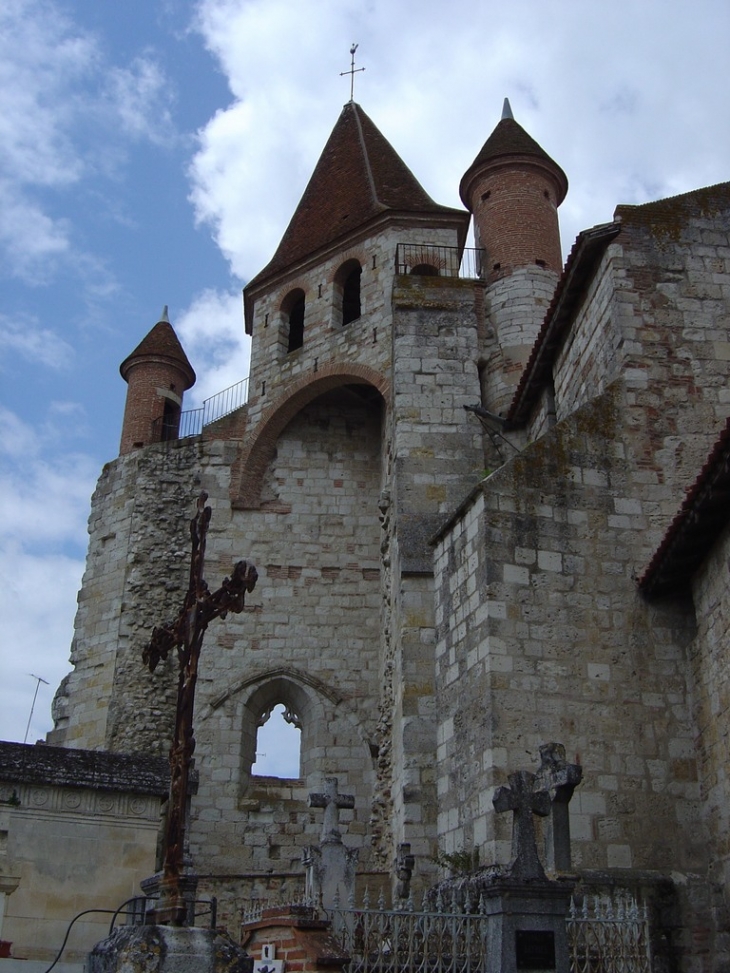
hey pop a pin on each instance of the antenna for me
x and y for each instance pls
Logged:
(35, 695)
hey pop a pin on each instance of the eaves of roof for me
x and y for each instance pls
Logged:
(587, 251)
(703, 514)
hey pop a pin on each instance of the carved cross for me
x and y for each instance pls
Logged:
(331, 801)
(185, 633)
(521, 797)
(559, 779)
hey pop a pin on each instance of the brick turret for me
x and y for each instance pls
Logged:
(513, 188)
(158, 373)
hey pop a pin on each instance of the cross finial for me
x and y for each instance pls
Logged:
(353, 71)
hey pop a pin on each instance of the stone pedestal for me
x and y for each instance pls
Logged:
(167, 949)
(527, 925)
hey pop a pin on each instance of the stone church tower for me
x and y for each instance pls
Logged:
(440, 594)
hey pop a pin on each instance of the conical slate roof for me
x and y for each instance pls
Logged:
(160, 343)
(358, 177)
(508, 141)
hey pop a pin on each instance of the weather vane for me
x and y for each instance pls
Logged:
(352, 72)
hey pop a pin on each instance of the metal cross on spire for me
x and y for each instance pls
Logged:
(185, 633)
(352, 72)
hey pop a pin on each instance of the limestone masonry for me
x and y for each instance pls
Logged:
(442, 590)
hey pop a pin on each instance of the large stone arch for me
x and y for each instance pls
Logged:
(259, 449)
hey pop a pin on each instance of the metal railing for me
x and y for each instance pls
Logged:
(191, 422)
(608, 936)
(430, 260)
(445, 939)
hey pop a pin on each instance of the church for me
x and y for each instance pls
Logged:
(487, 497)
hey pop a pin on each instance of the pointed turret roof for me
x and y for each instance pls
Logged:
(509, 142)
(161, 343)
(358, 177)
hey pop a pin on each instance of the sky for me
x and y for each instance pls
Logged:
(153, 152)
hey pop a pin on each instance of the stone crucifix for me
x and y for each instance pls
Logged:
(521, 797)
(332, 802)
(559, 779)
(185, 633)
(331, 865)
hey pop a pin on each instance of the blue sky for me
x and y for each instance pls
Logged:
(154, 151)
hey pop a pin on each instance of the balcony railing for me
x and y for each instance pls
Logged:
(429, 260)
(192, 421)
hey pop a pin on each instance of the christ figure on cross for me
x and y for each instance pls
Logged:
(185, 633)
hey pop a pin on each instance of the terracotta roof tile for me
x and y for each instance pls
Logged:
(160, 342)
(358, 177)
(510, 140)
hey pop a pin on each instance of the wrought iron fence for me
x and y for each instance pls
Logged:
(429, 260)
(609, 936)
(447, 939)
(192, 421)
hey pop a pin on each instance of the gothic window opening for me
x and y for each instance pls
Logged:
(278, 743)
(293, 310)
(351, 296)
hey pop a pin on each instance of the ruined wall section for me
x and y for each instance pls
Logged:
(136, 573)
(309, 637)
(541, 635)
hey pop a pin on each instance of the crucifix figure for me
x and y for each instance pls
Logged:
(352, 72)
(521, 797)
(185, 633)
(331, 801)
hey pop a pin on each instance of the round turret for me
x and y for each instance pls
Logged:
(158, 373)
(514, 188)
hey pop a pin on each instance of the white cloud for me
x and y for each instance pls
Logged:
(39, 345)
(630, 112)
(65, 114)
(139, 97)
(44, 503)
(211, 331)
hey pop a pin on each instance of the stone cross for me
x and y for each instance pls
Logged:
(331, 801)
(185, 633)
(331, 866)
(559, 779)
(521, 797)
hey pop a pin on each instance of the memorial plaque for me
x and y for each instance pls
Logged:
(534, 949)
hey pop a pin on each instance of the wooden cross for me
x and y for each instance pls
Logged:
(185, 633)
(331, 801)
(353, 71)
(520, 797)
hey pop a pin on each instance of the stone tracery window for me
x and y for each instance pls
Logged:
(278, 742)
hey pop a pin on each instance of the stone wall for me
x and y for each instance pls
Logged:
(711, 693)
(542, 636)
